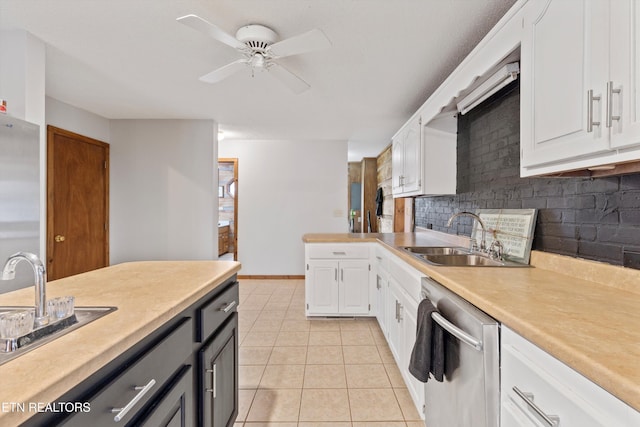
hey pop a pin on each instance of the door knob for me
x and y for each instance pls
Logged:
(59, 238)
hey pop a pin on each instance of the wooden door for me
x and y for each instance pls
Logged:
(77, 203)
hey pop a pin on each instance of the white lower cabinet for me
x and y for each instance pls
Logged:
(337, 279)
(380, 291)
(538, 390)
(401, 308)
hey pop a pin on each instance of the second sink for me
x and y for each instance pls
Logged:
(435, 250)
(452, 256)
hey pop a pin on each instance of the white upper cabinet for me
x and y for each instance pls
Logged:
(406, 159)
(625, 73)
(424, 157)
(579, 68)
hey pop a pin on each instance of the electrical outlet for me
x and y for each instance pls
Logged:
(631, 259)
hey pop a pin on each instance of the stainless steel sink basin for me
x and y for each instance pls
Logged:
(463, 260)
(10, 348)
(436, 250)
(457, 257)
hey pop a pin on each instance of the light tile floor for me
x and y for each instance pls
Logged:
(296, 372)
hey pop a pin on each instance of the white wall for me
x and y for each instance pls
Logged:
(163, 205)
(286, 189)
(83, 122)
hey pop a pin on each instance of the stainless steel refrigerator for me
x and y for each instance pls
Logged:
(19, 195)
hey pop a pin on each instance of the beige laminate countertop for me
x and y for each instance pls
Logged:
(147, 294)
(584, 313)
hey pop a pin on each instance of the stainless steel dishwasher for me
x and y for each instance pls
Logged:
(469, 396)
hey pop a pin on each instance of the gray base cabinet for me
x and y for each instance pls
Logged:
(219, 378)
(184, 374)
(175, 409)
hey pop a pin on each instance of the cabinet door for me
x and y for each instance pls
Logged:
(175, 408)
(322, 287)
(564, 57)
(397, 159)
(412, 165)
(218, 377)
(394, 319)
(625, 74)
(409, 326)
(354, 287)
(381, 288)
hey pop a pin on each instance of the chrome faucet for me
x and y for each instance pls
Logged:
(483, 242)
(9, 273)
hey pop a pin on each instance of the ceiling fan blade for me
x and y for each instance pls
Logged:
(211, 30)
(223, 72)
(306, 42)
(286, 77)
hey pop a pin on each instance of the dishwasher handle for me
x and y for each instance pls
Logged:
(456, 332)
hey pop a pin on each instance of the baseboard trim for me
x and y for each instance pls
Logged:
(271, 277)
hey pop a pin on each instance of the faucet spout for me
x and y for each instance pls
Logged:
(483, 242)
(9, 273)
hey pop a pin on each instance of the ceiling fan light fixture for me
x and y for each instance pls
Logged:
(258, 61)
(260, 50)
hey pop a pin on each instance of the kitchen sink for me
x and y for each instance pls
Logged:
(436, 250)
(463, 260)
(10, 348)
(457, 257)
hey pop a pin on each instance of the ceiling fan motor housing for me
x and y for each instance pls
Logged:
(257, 37)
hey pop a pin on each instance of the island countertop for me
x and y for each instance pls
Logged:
(147, 295)
(584, 313)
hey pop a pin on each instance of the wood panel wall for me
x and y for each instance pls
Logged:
(383, 161)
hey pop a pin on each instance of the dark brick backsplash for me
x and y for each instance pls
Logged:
(593, 218)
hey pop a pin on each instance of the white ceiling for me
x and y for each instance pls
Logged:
(131, 59)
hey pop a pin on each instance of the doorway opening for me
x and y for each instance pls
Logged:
(77, 203)
(228, 209)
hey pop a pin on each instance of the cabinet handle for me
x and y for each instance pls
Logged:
(227, 308)
(340, 253)
(213, 373)
(551, 420)
(590, 99)
(122, 412)
(335, 274)
(397, 311)
(342, 275)
(400, 307)
(378, 280)
(610, 92)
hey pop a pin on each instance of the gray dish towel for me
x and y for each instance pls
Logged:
(427, 355)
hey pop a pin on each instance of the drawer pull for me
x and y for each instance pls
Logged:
(213, 381)
(339, 253)
(227, 308)
(610, 92)
(590, 122)
(551, 420)
(122, 412)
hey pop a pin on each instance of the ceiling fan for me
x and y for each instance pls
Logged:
(260, 49)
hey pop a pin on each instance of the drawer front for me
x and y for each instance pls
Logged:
(149, 374)
(540, 388)
(553, 387)
(216, 312)
(354, 251)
